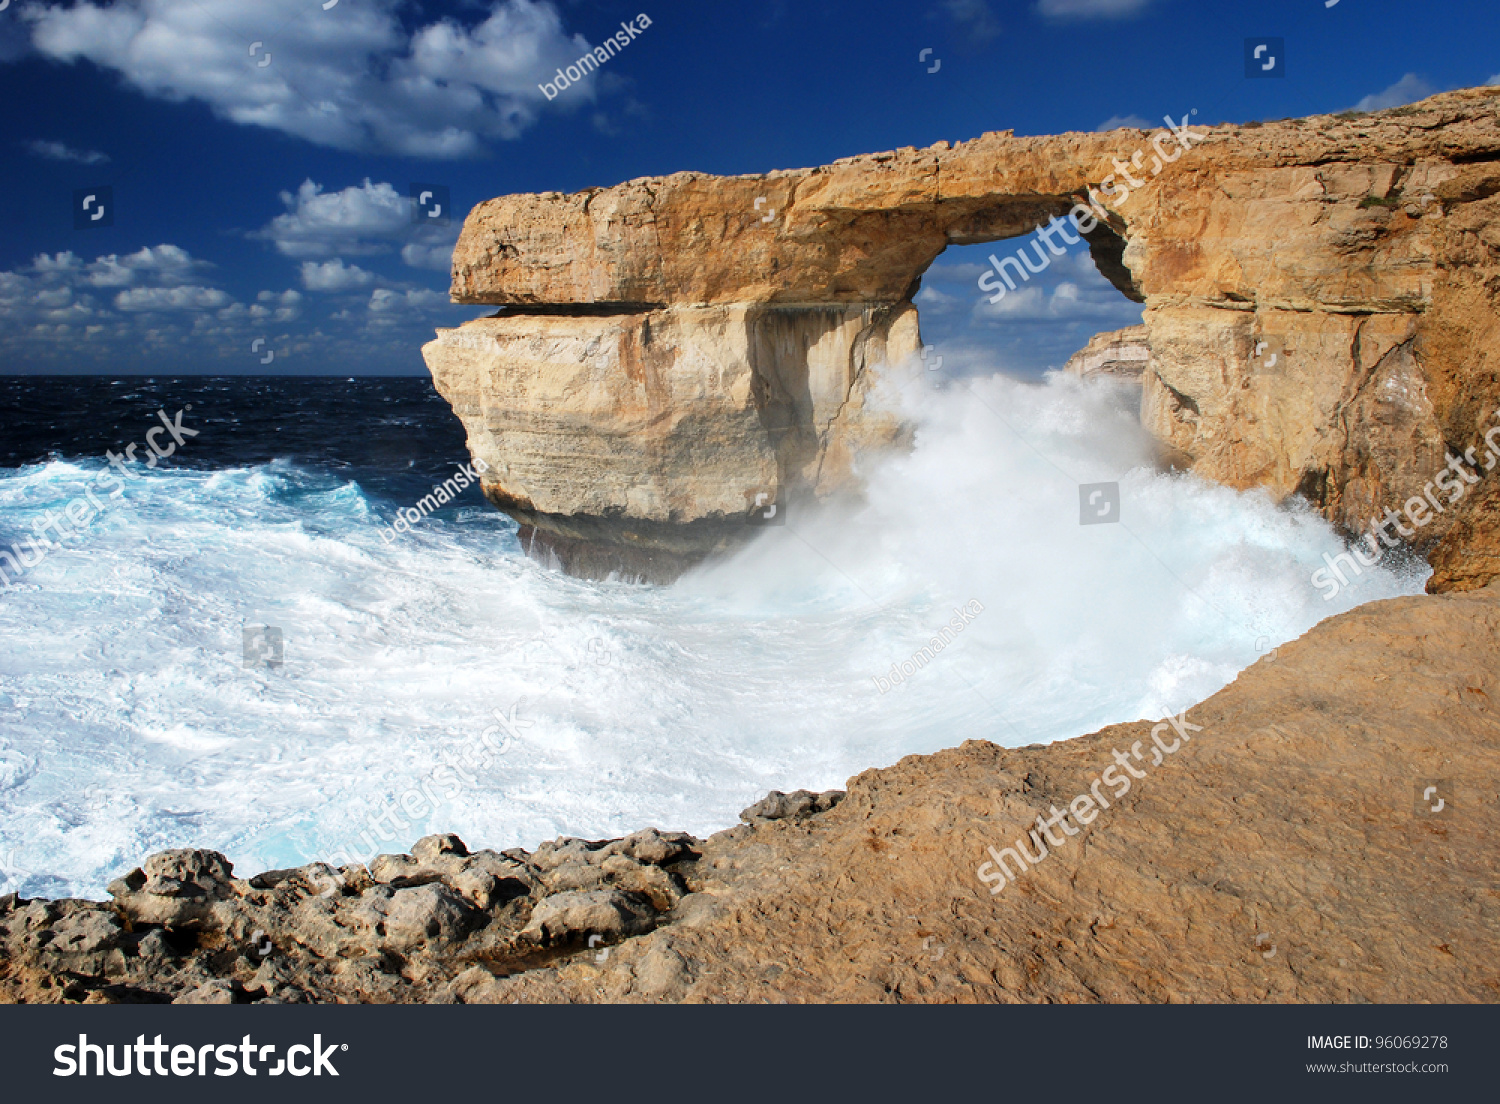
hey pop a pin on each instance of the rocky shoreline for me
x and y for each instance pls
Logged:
(1283, 853)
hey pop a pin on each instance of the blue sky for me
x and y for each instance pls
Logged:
(257, 200)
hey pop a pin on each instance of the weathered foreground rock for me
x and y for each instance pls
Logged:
(1322, 304)
(183, 928)
(1285, 852)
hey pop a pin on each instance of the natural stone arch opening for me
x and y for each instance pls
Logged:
(1023, 305)
(1013, 221)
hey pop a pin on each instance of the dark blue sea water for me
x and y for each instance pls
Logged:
(395, 435)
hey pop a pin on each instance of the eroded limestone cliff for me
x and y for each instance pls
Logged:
(1321, 303)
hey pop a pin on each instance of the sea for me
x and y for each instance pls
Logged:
(235, 649)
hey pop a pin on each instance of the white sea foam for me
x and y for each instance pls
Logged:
(128, 722)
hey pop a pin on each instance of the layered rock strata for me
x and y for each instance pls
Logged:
(1321, 305)
(1325, 831)
(1118, 354)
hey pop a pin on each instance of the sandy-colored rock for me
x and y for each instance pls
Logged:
(606, 913)
(662, 430)
(1469, 556)
(1321, 304)
(1117, 354)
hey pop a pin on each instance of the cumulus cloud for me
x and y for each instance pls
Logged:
(156, 310)
(161, 266)
(170, 299)
(361, 221)
(278, 308)
(432, 247)
(64, 300)
(357, 221)
(353, 77)
(932, 301)
(387, 306)
(156, 266)
(334, 275)
(60, 151)
(1090, 9)
(1408, 89)
(1070, 290)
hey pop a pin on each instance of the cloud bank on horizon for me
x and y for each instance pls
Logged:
(67, 313)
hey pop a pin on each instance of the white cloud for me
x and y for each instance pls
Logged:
(439, 258)
(932, 301)
(277, 308)
(171, 299)
(152, 310)
(351, 77)
(163, 266)
(55, 299)
(269, 306)
(59, 151)
(399, 305)
(360, 221)
(1023, 302)
(1408, 89)
(323, 224)
(1090, 9)
(1115, 122)
(1086, 299)
(1494, 80)
(1078, 265)
(334, 275)
(433, 247)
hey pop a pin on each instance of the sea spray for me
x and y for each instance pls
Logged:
(131, 724)
(440, 495)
